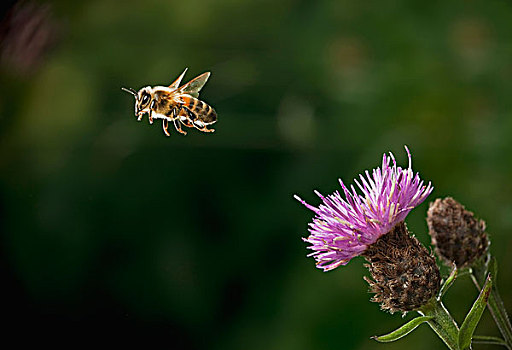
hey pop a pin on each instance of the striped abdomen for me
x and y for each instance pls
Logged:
(199, 110)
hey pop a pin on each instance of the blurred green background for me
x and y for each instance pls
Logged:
(114, 234)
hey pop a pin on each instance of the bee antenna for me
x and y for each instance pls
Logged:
(130, 90)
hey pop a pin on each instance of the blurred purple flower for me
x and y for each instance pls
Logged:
(344, 228)
(26, 34)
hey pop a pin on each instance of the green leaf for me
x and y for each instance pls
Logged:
(449, 281)
(485, 339)
(473, 317)
(402, 331)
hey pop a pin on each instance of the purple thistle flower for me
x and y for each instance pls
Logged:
(344, 228)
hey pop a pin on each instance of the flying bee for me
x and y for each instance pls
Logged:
(179, 105)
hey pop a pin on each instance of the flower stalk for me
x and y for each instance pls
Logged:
(442, 323)
(497, 309)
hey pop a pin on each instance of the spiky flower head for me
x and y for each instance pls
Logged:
(344, 227)
(458, 237)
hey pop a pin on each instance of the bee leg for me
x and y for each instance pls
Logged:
(164, 126)
(175, 112)
(173, 115)
(205, 129)
(187, 123)
(191, 115)
(177, 125)
(199, 125)
(196, 123)
(151, 107)
(182, 115)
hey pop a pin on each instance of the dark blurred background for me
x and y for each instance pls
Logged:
(113, 234)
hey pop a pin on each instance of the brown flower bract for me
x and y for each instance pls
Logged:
(457, 236)
(405, 275)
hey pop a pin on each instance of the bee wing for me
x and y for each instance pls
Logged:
(195, 85)
(177, 82)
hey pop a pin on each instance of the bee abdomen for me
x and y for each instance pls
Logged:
(209, 115)
(202, 110)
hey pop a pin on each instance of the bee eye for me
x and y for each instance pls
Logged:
(145, 99)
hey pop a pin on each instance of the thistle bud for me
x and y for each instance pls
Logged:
(457, 236)
(404, 274)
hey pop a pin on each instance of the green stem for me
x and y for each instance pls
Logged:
(495, 304)
(442, 323)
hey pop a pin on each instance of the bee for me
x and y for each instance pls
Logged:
(179, 105)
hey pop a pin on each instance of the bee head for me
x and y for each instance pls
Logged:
(142, 99)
